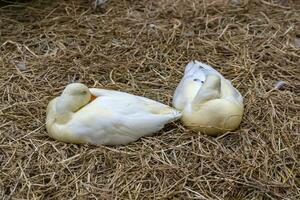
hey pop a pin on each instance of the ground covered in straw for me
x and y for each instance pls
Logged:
(142, 47)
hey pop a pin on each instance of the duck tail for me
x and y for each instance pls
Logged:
(196, 65)
(190, 67)
(171, 114)
(176, 114)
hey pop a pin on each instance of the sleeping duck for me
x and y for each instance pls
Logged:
(209, 103)
(104, 117)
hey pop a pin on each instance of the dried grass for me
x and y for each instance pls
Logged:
(142, 47)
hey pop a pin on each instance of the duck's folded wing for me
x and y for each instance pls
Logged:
(140, 125)
(119, 94)
(230, 92)
(158, 109)
(117, 128)
(101, 128)
(103, 92)
(152, 117)
(129, 103)
(138, 113)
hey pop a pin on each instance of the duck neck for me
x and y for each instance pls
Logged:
(211, 89)
(65, 108)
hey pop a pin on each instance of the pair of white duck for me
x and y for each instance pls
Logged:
(204, 99)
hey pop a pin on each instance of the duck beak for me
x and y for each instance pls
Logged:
(93, 97)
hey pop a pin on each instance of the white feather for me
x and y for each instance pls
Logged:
(206, 108)
(114, 118)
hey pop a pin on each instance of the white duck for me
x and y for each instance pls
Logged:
(209, 103)
(99, 116)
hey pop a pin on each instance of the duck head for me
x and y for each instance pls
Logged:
(211, 89)
(73, 97)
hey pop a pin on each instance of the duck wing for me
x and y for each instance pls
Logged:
(193, 79)
(119, 118)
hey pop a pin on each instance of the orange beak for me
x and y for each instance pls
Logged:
(93, 97)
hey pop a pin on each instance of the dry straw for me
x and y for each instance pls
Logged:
(142, 47)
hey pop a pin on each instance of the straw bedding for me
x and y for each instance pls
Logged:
(142, 47)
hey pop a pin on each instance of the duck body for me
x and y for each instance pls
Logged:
(112, 118)
(209, 103)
